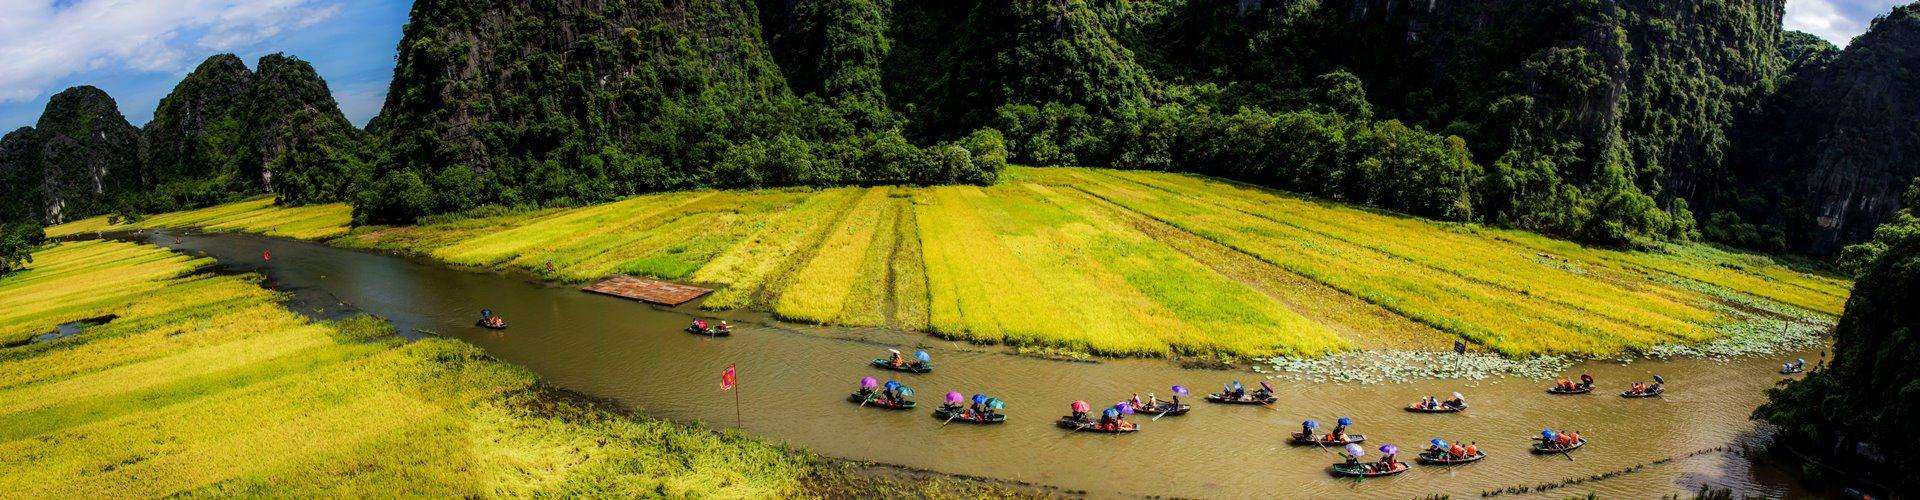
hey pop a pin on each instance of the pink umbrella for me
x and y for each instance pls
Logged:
(868, 383)
(1081, 407)
(954, 397)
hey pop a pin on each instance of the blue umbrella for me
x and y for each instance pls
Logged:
(979, 399)
(1548, 435)
(892, 384)
(1311, 424)
(922, 356)
(1236, 385)
(1437, 443)
(1346, 421)
(1111, 413)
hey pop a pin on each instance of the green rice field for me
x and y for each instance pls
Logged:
(1124, 263)
(204, 386)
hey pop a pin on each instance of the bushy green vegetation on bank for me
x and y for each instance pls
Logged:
(202, 385)
(1110, 262)
(1860, 413)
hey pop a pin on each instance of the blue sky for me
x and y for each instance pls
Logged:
(138, 49)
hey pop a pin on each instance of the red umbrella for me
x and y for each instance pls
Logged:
(1081, 407)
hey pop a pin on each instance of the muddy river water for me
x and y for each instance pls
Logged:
(795, 379)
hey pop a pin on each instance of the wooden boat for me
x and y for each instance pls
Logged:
(1648, 394)
(957, 416)
(1246, 400)
(876, 402)
(1309, 440)
(1092, 426)
(709, 331)
(1170, 409)
(915, 367)
(1443, 458)
(1360, 470)
(1443, 408)
(484, 324)
(1546, 449)
(1569, 392)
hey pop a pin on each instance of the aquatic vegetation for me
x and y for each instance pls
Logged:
(204, 385)
(1389, 366)
(1129, 263)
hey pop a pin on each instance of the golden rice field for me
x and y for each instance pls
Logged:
(1119, 263)
(258, 215)
(205, 386)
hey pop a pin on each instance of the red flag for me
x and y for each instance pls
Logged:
(728, 379)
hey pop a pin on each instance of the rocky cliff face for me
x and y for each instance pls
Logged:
(228, 131)
(195, 140)
(305, 149)
(84, 150)
(1868, 147)
(499, 84)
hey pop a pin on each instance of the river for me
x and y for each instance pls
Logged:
(795, 379)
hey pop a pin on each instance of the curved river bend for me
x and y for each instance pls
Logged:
(795, 381)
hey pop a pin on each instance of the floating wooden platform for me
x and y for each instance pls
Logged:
(646, 290)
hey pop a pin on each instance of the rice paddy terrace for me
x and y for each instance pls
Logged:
(1109, 262)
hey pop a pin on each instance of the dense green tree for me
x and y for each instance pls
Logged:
(1862, 411)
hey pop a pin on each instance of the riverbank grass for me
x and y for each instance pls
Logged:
(1118, 263)
(204, 386)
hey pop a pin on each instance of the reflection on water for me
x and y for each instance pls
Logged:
(794, 382)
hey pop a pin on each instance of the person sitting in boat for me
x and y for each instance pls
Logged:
(1638, 388)
(1799, 364)
(1339, 432)
(894, 358)
(699, 324)
(1120, 423)
(1438, 446)
(1564, 384)
(1152, 402)
(1234, 391)
(1456, 451)
(1458, 401)
(1135, 402)
(1655, 388)
(1573, 438)
(1586, 381)
(1386, 463)
(724, 327)
(1306, 428)
(1263, 392)
(1473, 449)
(866, 393)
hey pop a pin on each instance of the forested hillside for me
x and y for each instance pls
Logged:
(1618, 123)
(224, 133)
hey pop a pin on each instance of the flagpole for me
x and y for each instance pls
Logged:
(736, 399)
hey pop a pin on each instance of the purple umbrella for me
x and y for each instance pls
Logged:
(954, 397)
(1354, 450)
(868, 383)
(1124, 408)
(1389, 449)
(1180, 389)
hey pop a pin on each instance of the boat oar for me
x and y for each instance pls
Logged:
(1156, 418)
(950, 417)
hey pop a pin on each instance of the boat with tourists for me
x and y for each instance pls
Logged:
(922, 362)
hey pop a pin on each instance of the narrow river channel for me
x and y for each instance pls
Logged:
(795, 380)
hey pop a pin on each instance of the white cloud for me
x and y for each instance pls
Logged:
(40, 43)
(1837, 21)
